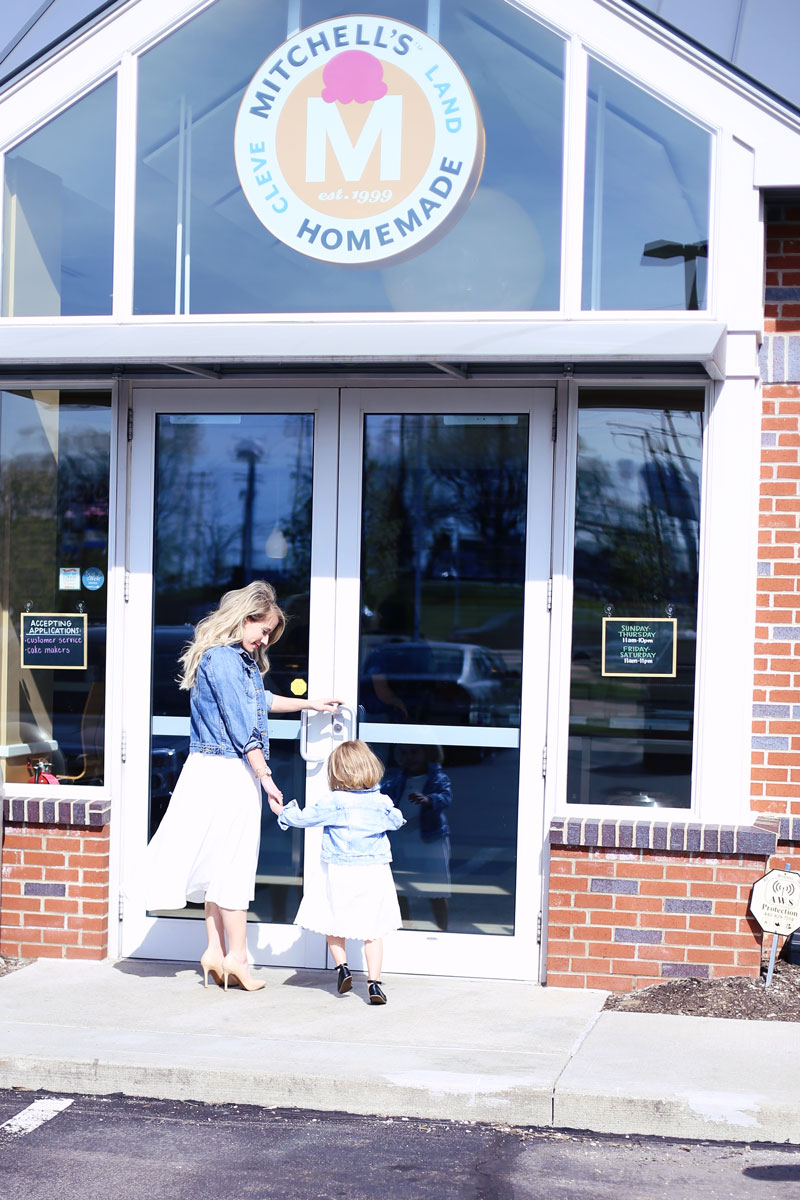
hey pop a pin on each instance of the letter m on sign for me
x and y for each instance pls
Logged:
(324, 125)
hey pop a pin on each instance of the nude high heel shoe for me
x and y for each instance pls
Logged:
(232, 968)
(212, 965)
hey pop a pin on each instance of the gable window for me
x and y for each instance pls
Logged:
(200, 247)
(646, 200)
(58, 232)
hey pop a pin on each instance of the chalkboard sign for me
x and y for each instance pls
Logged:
(640, 646)
(56, 641)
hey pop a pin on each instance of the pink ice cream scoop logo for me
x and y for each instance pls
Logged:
(353, 75)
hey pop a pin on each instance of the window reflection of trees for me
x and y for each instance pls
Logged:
(444, 523)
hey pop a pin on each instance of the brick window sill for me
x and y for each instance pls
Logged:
(46, 810)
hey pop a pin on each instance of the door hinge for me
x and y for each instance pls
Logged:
(130, 424)
(123, 753)
(550, 594)
(555, 422)
(538, 929)
(126, 587)
(121, 906)
(544, 762)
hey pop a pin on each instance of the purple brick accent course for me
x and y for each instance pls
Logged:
(711, 839)
(674, 905)
(642, 835)
(761, 742)
(727, 839)
(574, 829)
(625, 834)
(608, 834)
(684, 970)
(693, 837)
(660, 835)
(676, 837)
(652, 937)
(591, 832)
(621, 887)
(557, 833)
(786, 633)
(771, 710)
(45, 889)
(50, 810)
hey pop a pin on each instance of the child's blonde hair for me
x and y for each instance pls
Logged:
(352, 767)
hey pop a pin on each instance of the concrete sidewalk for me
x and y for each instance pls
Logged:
(470, 1050)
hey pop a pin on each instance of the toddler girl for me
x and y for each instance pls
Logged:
(356, 897)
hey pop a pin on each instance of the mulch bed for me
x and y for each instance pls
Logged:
(7, 965)
(731, 996)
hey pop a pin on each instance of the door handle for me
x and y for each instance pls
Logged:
(342, 728)
(343, 723)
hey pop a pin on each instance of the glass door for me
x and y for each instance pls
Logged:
(442, 643)
(227, 485)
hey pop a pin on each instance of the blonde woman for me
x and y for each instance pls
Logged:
(357, 898)
(206, 847)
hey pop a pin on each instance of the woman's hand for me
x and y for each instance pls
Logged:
(274, 794)
(326, 705)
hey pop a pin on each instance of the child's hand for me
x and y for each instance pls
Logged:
(419, 798)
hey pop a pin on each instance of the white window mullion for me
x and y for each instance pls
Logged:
(577, 74)
(125, 185)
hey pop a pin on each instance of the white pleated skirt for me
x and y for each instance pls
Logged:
(358, 902)
(206, 846)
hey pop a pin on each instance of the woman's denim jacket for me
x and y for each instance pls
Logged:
(355, 825)
(229, 705)
(432, 821)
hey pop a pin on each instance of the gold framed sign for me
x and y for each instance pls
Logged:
(53, 641)
(640, 647)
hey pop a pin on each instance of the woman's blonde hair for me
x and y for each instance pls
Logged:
(224, 627)
(352, 767)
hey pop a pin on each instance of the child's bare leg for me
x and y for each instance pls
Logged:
(336, 947)
(374, 953)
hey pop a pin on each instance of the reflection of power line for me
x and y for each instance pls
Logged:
(664, 251)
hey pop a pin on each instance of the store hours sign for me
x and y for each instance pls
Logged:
(358, 141)
(640, 646)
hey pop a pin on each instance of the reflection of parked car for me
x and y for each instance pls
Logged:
(440, 683)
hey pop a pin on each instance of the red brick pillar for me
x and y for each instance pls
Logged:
(55, 863)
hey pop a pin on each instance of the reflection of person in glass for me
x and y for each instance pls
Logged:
(206, 847)
(422, 791)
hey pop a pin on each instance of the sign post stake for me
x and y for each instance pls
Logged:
(773, 952)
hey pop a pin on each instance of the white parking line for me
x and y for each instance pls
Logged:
(34, 1115)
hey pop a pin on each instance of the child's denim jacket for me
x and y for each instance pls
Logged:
(355, 825)
(229, 705)
(432, 821)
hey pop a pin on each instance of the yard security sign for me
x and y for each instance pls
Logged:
(358, 141)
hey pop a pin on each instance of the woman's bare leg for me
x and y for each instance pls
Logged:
(374, 952)
(215, 931)
(235, 922)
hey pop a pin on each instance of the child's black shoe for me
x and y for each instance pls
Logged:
(345, 979)
(376, 992)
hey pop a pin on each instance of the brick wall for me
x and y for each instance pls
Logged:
(54, 888)
(632, 903)
(775, 785)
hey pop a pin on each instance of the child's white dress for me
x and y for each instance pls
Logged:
(358, 902)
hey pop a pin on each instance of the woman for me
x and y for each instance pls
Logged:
(206, 847)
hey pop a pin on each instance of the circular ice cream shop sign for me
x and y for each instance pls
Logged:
(358, 141)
